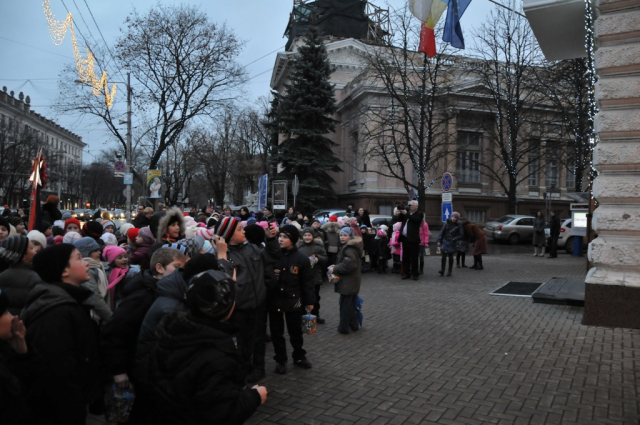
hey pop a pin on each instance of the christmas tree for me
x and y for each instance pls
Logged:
(305, 119)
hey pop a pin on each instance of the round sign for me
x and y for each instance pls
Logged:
(447, 182)
(119, 166)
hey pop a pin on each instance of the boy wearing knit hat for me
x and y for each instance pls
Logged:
(293, 293)
(248, 261)
(62, 333)
(211, 379)
(19, 278)
(347, 268)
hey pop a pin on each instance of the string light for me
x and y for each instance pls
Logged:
(85, 67)
(593, 106)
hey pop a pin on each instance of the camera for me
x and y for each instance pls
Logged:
(401, 207)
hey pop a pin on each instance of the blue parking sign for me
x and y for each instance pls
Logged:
(447, 209)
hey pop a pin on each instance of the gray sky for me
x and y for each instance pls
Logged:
(31, 63)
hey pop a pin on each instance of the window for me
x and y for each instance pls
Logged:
(551, 170)
(356, 159)
(467, 166)
(476, 216)
(467, 138)
(571, 168)
(525, 222)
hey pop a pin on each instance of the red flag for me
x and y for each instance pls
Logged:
(427, 41)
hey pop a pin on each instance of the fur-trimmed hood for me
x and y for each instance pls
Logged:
(163, 223)
(331, 227)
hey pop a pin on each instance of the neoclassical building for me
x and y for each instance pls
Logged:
(548, 183)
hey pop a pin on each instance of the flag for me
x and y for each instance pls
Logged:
(38, 179)
(452, 30)
(262, 192)
(427, 35)
(421, 8)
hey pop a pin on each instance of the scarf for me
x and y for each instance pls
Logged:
(116, 275)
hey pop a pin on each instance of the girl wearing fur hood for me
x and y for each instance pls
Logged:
(314, 249)
(171, 227)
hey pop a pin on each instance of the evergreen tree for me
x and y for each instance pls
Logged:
(305, 118)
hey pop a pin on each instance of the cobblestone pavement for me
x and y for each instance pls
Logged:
(442, 350)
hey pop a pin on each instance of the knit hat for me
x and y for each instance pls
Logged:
(59, 223)
(37, 237)
(52, 199)
(382, 233)
(146, 235)
(71, 221)
(50, 262)
(108, 223)
(263, 224)
(57, 240)
(111, 252)
(109, 239)
(254, 234)
(308, 230)
(192, 246)
(292, 233)
(15, 220)
(13, 249)
(212, 222)
(86, 245)
(71, 237)
(198, 264)
(66, 216)
(315, 220)
(347, 231)
(333, 219)
(455, 214)
(45, 225)
(132, 233)
(363, 226)
(93, 229)
(4, 302)
(207, 234)
(251, 220)
(125, 228)
(226, 227)
(384, 227)
(211, 294)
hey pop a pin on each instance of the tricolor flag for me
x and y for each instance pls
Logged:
(427, 36)
(38, 179)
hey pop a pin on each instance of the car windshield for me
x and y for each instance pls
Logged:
(505, 219)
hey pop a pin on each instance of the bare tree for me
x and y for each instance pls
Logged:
(509, 57)
(405, 129)
(18, 148)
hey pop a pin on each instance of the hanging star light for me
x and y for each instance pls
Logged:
(85, 67)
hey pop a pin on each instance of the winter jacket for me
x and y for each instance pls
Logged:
(449, 235)
(424, 234)
(248, 260)
(316, 247)
(538, 231)
(332, 237)
(18, 280)
(382, 251)
(367, 243)
(51, 213)
(119, 335)
(62, 333)
(295, 288)
(170, 297)
(364, 218)
(347, 268)
(163, 224)
(140, 255)
(17, 373)
(395, 244)
(193, 374)
(473, 232)
(554, 226)
(412, 222)
(98, 283)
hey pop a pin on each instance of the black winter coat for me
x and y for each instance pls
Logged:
(316, 247)
(18, 280)
(193, 374)
(554, 226)
(347, 267)
(382, 250)
(412, 222)
(295, 288)
(119, 335)
(61, 332)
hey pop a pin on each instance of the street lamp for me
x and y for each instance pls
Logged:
(128, 157)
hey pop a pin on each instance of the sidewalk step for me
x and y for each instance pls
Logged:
(561, 290)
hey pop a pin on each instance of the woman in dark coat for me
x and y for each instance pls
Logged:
(447, 241)
(538, 235)
(554, 233)
(480, 246)
(363, 217)
(50, 211)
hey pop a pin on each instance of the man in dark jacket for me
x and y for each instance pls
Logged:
(193, 371)
(62, 333)
(554, 234)
(287, 301)
(247, 262)
(410, 238)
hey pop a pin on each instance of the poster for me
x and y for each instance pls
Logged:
(154, 183)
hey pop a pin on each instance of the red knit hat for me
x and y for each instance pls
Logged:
(333, 219)
(132, 234)
(226, 227)
(72, 221)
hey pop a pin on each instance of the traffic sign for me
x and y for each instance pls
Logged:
(447, 197)
(128, 178)
(447, 209)
(119, 166)
(447, 182)
(118, 174)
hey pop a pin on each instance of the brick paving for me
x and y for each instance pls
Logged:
(442, 350)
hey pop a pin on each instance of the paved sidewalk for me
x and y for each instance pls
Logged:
(442, 350)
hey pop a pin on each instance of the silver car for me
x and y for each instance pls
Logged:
(510, 228)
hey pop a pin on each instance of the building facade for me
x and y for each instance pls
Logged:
(24, 133)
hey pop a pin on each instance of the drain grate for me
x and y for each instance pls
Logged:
(517, 289)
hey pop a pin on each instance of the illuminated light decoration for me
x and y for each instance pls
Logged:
(593, 106)
(85, 67)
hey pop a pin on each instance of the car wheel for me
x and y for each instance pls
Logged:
(514, 239)
(569, 245)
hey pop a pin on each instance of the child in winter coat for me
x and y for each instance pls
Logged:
(314, 249)
(98, 283)
(396, 248)
(382, 251)
(119, 273)
(347, 268)
(143, 242)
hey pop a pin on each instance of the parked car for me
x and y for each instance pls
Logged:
(378, 219)
(510, 228)
(565, 240)
(323, 215)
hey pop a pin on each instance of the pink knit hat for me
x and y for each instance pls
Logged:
(263, 224)
(207, 234)
(111, 252)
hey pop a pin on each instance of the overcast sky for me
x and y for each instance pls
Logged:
(31, 63)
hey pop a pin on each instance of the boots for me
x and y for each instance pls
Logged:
(535, 251)
(450, 268)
